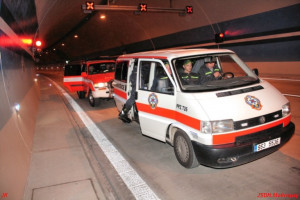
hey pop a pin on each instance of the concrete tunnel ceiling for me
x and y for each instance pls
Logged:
(124, 31)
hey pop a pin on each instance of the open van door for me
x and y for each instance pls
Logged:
(73, 77)
(156, 100)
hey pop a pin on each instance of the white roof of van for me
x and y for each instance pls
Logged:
(173, 53)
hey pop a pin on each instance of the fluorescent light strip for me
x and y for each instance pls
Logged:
(134, 182)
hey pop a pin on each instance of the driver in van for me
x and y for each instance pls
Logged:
(210, 71)
(91, 69)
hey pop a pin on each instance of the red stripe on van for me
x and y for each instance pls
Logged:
(187, 120)
(230, 137)
(120, 93)
(171, 114)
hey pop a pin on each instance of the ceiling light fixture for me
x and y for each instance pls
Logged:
(17, 107)
(102, 16)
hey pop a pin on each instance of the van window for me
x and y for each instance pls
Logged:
(154, 78)
(83, 68)
(73, 70)
(121, 71)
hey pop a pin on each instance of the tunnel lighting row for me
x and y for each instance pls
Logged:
(50, 68)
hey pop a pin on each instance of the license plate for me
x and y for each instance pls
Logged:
(266, 145)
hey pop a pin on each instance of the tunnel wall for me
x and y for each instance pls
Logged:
(17, 86)
(261, 53)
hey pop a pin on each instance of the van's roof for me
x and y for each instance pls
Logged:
(98, 61)
(174, 53)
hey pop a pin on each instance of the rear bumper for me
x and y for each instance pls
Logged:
(230, 155)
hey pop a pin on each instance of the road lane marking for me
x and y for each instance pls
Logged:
(281, 79)
(134, 182)
(284, 79)
(292, 95)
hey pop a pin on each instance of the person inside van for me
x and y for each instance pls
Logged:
(210, 71)
(162, 81)
(129, 103)
(187, 76)
(91, 69)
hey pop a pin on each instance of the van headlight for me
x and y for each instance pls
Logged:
(220, 126)
(100, 85)
(286, 109)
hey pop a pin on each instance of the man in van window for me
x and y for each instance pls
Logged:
(91, 69)
(187, 76)
(162, 78)
(210, 71)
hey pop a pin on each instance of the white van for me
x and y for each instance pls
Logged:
(220, 122)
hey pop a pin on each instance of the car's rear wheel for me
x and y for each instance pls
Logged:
(93, 101)
(184, 151)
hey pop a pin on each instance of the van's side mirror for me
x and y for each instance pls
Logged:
(255, 70)
(83, 74)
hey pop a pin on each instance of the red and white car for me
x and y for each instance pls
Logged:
(90, 77)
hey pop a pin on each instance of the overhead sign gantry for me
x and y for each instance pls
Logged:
(90, 6)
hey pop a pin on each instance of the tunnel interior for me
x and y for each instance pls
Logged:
(265, 34)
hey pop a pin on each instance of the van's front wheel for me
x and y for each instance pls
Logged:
(184, 150)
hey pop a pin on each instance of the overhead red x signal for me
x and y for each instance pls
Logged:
(4, 195)
(90, 5)
(143, 7)
(189, 9)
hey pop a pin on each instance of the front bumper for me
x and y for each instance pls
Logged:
(238, 153)
(102, 93)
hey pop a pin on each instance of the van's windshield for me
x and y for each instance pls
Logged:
(100, 68)
(212, 72)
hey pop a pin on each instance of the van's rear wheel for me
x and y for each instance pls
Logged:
(81, 94)
(184, 150)
(93, 101)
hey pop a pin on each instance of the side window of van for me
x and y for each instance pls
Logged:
(145, 67)
(121, 71)
(154, 78)
(72, 70)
